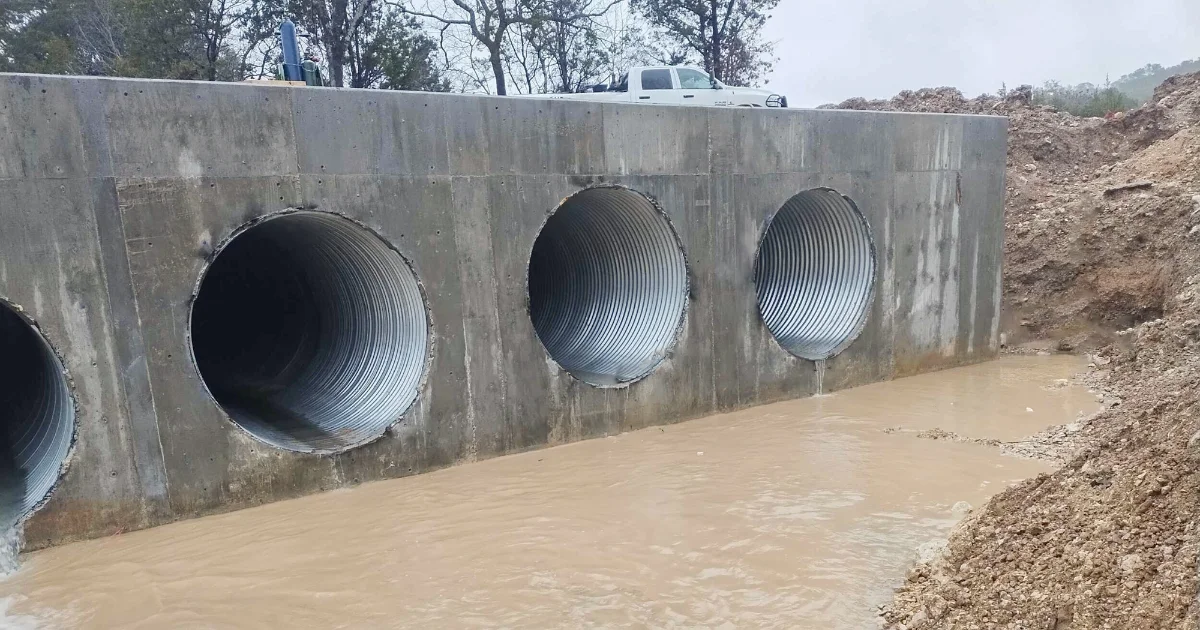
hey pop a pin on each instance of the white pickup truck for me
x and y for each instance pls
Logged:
(674, 85)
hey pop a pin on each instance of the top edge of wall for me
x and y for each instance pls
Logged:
(463, 95)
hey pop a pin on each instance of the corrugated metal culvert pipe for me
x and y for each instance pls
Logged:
(815, 273)
(608, 285)
(311, 332)
(37, 412)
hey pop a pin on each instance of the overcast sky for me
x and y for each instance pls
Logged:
(831, 50)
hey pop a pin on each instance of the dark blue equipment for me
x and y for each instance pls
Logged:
(292, 70)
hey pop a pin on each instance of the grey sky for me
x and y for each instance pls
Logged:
(830, 50)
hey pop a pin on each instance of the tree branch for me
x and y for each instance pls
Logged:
(443, 20)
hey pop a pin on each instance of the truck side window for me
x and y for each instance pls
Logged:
(693, 79)
(656, 79)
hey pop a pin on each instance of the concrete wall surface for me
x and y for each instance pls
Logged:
(116, 194)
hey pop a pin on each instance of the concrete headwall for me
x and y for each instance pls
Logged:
(116, 195)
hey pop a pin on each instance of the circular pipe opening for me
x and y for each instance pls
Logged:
(608, 285)
(814, 273)
(38, 415)
(310, 332)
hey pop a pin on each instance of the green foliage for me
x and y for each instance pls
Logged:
(158, 40)
(391, 52)
(546, 45)
(218, 40)
(1084, 99)
(35, 36)
(1140, 83)
(167, 39)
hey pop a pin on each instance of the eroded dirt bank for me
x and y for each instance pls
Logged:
(1102, 255)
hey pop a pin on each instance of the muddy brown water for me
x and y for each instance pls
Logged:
(803, 514)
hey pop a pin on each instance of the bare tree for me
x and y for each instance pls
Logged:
(335, 24)
(99, 38)
(258, 38)
(557, 55)
(215, 22)
(146, 38)
(571, 47)
(466, 69)
(524, 64)
(489, 22)
(626, 41)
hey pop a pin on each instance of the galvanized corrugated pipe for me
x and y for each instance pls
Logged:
(37, 414)
(608, 285)
(311, 332)
(815, 273)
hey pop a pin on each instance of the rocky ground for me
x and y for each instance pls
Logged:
(1102, 255)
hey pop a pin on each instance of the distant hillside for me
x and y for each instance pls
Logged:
(1140, 83)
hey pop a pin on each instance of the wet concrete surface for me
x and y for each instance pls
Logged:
(803, 514)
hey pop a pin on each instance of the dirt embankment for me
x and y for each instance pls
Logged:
(1085, 257)
(1102, 254)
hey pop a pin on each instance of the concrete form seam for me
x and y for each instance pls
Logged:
(166, 482)
(137, 311)
(502, 373)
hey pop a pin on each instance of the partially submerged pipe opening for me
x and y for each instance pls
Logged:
(608, 285)
(815, 273)
(310, 332)
(37, 412)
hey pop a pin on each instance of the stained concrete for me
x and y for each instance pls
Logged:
(114, 194)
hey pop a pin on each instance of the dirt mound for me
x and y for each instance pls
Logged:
(1085, 257)
(1102, 251)
(1175, 105)
(1096, 212)
(943, 100)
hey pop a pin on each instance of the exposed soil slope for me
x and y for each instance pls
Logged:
(1102, 253)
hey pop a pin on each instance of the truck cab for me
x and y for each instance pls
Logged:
(675, 85)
